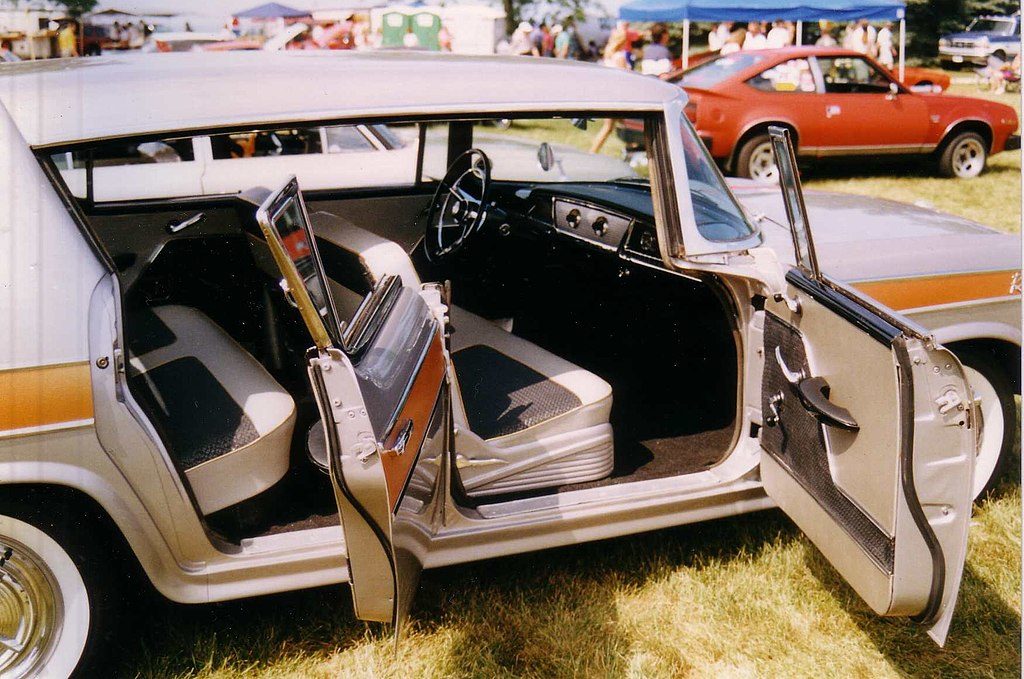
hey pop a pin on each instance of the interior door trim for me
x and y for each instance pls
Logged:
(877, 327)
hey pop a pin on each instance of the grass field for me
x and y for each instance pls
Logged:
(742, 597)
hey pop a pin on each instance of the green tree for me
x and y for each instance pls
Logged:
(77, 8)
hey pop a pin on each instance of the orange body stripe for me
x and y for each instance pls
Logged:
(911, 293)
(45, 395)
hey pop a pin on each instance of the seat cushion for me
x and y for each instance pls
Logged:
(535, 420)
(503, 396)
(226, 422)
(528, 418)
(544, 393)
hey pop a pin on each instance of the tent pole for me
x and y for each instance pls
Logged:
(686, 43)
(903, 48)
(799, 33)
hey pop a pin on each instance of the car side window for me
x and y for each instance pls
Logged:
(789, 76)
(852, 75)
(115, 154)
(346, 139)
(266, 143)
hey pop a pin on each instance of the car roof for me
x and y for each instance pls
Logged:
(64, 101)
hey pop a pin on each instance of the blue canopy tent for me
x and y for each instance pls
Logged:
(272, 10)
(766, 10)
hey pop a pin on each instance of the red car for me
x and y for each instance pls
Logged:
(837, 103)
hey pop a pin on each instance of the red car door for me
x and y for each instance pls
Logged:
(864, 112)
(790, 87)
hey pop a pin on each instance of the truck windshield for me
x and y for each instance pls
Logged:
(998, 26)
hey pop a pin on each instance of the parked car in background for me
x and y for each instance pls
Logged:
(181, 41)
(322, 157)
(915, 78)
(266, 389)
(984, 37)
(836, 103)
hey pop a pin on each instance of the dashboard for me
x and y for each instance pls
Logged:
(617, 219)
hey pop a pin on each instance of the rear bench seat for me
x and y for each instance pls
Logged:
(226, 422)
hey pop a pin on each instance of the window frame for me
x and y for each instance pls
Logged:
(871, 65)
(819, 86)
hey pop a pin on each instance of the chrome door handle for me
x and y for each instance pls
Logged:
(794, 377)
(813, 393)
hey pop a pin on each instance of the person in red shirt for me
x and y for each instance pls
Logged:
(547, 41)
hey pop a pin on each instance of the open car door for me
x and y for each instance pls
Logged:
(869, 434)
(380, 382)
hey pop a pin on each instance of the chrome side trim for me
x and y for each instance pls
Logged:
(867, 149)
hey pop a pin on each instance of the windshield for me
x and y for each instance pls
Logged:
(710, 73)
(715, 210)
(1000, 26)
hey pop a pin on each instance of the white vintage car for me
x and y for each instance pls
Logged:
(237, 386)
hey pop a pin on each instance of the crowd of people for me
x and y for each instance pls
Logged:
(860, 36)
(560, 41)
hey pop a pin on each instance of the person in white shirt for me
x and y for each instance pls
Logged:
(886, 51)
(718, 37)
(755, 39)
(864, 37)
(779, 35)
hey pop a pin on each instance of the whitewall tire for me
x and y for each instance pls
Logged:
(994, 432)
(45, 609)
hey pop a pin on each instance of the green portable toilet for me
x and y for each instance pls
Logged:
(427, 27)
(394, 26)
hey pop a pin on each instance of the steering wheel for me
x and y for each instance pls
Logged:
(459, 205)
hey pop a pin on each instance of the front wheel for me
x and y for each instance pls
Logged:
(45, 608)
(964, 157)
(756, 160)
(998, 415)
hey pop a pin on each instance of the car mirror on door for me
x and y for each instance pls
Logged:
(894, 90)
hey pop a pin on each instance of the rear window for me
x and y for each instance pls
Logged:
(789, 76)
(710, 73)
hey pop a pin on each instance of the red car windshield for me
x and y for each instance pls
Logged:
(710, 73)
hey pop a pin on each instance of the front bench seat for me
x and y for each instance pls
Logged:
(226, 422)
(526, 418)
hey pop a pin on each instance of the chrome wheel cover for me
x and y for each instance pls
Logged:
(993, 426)
(761, 166)
(968, 158)
(31, 611)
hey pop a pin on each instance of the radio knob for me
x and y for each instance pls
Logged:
(574, 218)
(600, 226)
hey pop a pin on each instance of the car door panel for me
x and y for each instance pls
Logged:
(863, 482)
(388, 412)
(380, 384)
(869, 434)
(867, 119)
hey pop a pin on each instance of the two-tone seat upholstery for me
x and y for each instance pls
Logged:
(526, 418)
(226, 422)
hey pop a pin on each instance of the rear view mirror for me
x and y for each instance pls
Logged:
(546, 157)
